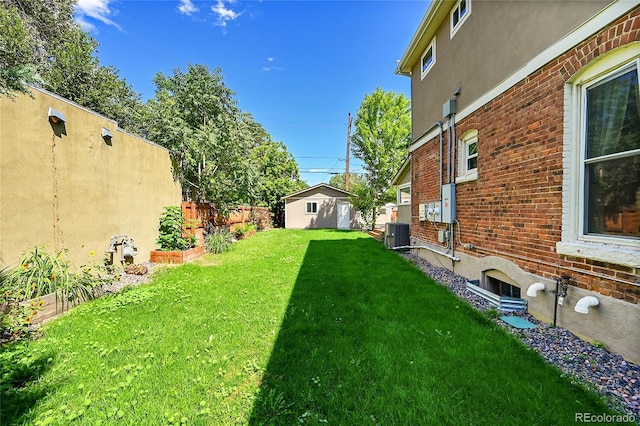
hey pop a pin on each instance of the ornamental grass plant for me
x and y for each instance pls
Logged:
(291, 327)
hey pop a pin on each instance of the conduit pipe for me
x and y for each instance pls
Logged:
(441, 253)
(583, 305)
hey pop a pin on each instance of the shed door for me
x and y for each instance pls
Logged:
(343, 215)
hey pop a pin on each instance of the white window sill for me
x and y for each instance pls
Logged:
(467, 178)
(609, 253)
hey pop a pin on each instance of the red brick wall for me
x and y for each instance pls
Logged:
(514, 209)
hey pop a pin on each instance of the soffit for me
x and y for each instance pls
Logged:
(438, 12)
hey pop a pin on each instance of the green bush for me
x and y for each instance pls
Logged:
(40, 273)
(218, 241)
(245, 229)
(171, 229)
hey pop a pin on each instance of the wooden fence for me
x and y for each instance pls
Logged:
(200, 214)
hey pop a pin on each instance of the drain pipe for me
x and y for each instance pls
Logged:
(440, 124)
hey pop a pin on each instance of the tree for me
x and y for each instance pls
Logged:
(61, 58)
(195, 116)
(339, 180)
(279, 175)
(76, 74)
(381, 142)
(17, 70)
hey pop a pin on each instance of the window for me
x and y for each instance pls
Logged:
(312, 207)
(601, 160)
(404, 194)
(468, 157)
(428, 58)
(459, 14)
(612, 155)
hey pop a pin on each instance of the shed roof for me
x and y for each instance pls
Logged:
(314, 188)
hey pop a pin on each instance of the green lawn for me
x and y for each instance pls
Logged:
(288, 327)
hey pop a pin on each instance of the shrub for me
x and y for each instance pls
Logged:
(218, 241)
(245, 229)
(172, 236)
(39, 273)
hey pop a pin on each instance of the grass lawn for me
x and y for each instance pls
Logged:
(288, 327)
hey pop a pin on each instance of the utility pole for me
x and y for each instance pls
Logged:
(346, 178)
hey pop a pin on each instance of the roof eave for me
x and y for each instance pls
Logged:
(425, 32)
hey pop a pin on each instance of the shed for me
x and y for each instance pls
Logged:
(319, 206)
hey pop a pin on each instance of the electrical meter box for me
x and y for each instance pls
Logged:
(448, 203)
(422, 212)
(433, 211)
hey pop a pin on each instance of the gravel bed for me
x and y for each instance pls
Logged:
(129, 280)
(617, 380)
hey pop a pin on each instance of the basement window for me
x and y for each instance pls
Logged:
(499, 290)
(502, 288)
(312, 207)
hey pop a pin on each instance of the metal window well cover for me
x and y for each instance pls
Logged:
(517, 322)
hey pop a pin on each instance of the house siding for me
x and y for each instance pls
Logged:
(512, 214)
(482, 54)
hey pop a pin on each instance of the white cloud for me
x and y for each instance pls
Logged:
(94, 9)
(270, 66)
(224, 13)
(187, 7)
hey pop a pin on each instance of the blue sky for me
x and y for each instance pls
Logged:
(299, 67)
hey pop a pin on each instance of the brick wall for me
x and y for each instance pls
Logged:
(514, 209)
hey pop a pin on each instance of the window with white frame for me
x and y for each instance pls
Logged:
(468, 157)
(459, 14)
(312, 207)
(611, 154)
(428, 58)
(601, 191)
(404, 194)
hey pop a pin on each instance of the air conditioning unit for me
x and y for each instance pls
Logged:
(396, 234)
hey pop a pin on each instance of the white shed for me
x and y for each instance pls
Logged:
(319, 206)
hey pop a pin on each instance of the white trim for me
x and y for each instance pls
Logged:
(454, 29)
(310, 203)
(465, 140)
(399, 190)
(609, 253)
(432, 46)
(592, 26)
(605, 248)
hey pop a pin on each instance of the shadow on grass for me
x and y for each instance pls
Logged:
(20, 371)
(368, 339)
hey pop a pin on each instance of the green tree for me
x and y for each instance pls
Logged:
(17, 70)
(279, 174)
(195, 116)
(40, 44)
(75, 73)
(339, 180)
(381, 141)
